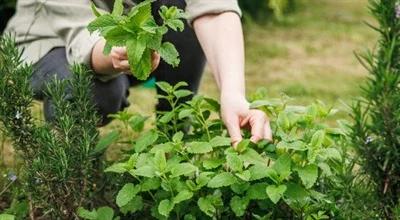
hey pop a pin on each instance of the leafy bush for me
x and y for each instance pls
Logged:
(59, 157)
(185, 168)
(376, 129)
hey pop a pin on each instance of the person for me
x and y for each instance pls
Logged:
(53, 34)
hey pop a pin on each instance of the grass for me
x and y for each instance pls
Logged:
(308, 56)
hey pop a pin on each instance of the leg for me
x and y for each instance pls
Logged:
(109, 97)
(192, 57)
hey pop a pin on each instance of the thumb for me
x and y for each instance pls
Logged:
(233, 125)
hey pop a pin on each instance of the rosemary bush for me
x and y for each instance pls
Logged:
(376, 128)
(60, 159)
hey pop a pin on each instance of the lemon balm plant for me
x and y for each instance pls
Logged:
(186, 168)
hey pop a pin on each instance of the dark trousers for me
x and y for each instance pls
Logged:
(111, 96)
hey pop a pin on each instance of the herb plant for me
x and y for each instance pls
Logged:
(139, 33)
(186, 168)
(376, 128)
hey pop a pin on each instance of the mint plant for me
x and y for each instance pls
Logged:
(186, 168)
(139, 33)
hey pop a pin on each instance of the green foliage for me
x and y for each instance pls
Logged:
(59, 162)
(197, 174)
(139, 33)
(376, 128)
(263, 9)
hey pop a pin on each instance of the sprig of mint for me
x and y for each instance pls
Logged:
(139, 33)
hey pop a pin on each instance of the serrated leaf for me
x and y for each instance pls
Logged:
(137, 122)
(275, 193)
(106, 141)
(150, 184)
(178, 137)
(245, 175)
(308, 175)
(118, 8)
(182, 196)
(182, 93)
(94, 10)
(136, 204)
(205, 204)
(117, 168)
(165, 207)
(221, 180)
(105, 213)
(258, 171)
(83, 213)
(251, 156)
(142, 69)
(199, 147)
(317, 139)
(219, 141)
(126, 194)
(146, 171)
(234, 162)
(239, 205)
(282, 166)
(160, 161)
(169, 54)
(203, 178)
(145, 140)
(212, 163)
(257, 191)
(102, 24)
(182, 169)
(185, 113)
(243, 145)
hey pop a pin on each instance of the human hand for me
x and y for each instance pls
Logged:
(236, 114)
(119, 58)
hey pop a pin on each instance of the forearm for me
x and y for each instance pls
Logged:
(221, 37)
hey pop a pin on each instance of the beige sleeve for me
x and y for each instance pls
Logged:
(197, 8)
(69, 19)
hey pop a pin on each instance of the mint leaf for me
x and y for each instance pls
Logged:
(118, 8)
(308, 175)
(282, 166)
(169, 54)
(199, 147)
(165, 207)
(206, 206)
(221, 180)
(182, 196)
(239, 205)
(275, 193)
(105, 213)
(182, 169)
(126, 194)
(83, 213)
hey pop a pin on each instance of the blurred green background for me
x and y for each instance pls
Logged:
(303, 48)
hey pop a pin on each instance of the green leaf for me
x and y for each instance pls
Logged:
(164, 86)
(243, 145)
(205, 204)
(182, 169)
(150, 184)
(126, 194)
(199, 147)
(142, 69)
(137, 122)
(317, 139)
(182, 196)
(275, 193)
(185, 113)
(106, 141)
(118, 8)
(308, 175)
(234, 162)
(221, 180)
(136, 204)
(145, 140)
(160, 161)
(165, 207)
(167, 117)
(182, 93)
(257, 191)
(282, 166)
(296, 193)
(251, 156)
(117, 168)
(146, 171)
(169, 54)
(103, 23)
(219, 141)
(178, 137)
(105, 213)
(245, 175)
(203, 178)
(258, 171)
(135, 50)
(239, 205)
(83, 213)
(213, 163)
(94, 10)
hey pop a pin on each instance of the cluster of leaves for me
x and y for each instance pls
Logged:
(376, 128)
(59, 165)
(186, 168)
(139, 33)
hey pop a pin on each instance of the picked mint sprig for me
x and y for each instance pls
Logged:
(139, 33)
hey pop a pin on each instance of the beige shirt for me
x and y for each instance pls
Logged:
(40, 25)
